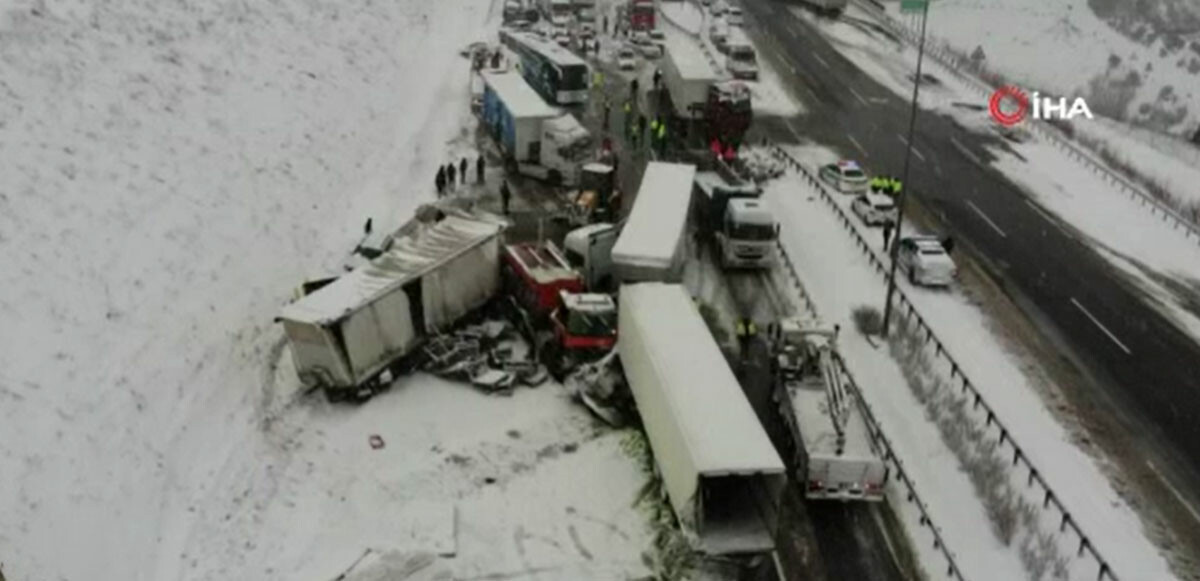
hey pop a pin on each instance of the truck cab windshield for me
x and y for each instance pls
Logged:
(743, 54)
(752, 231)
(591, 324)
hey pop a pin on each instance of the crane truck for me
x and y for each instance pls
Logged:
(831, 448)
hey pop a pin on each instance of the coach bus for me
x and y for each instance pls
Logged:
(557, 74)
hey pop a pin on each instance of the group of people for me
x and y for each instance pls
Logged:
(885, 185)
(651, 132)
(448, 174)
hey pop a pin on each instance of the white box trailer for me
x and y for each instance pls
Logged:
(347, 334)
(651, 245)
(688, 72)
(723, 477)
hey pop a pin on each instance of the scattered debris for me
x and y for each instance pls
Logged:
(376, 441)
(759, 164)
(600, 385)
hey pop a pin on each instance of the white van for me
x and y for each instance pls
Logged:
(740, 58)
(734, 16)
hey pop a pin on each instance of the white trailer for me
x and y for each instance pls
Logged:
(351, 337)
(722, 475)
(688, 72)
(651, 245)
(833, 452)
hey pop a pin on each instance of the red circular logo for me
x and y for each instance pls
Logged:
(1008, 94)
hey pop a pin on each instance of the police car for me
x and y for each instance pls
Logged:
(926, 260)
(846, 176)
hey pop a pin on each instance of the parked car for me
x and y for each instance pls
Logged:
(846, 176)
(626, 58)
(733, 15)
(926, 261)
(645, 45)
(875, 209)
(719, 7)
(718, 33)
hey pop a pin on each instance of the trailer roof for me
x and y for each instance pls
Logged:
(411, 255)
(706, 404)
(651, 236)
(520, 99)
(690, 59)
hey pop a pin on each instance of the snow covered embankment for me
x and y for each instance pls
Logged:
(171, 171)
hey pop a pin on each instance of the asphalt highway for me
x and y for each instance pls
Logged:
(1140, 367)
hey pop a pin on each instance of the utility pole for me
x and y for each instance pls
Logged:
(912, 124)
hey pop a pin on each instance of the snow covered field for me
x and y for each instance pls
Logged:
(839, 278)
(1064, 47)
(172, 171)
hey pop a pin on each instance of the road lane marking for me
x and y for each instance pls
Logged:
(1102, 327)
(1175, 491)
(788, 123)
(821, 60)
(986, 219)
(917, 153)
(962, 148)
(857, 144)
(792, 28)
(857, 96)
(1039, 211)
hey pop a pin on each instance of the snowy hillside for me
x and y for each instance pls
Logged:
(171, 170)
(1134, 60)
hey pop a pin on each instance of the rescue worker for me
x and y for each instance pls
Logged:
(887, 234)
(715, 147)
(633, 89)
(657, 78)
(605, 29)
(440, 181)
(479, 169)
(662, 137)
(746, 331)
(653, 132)
(877, 184)
(627, 110)
(606, 109)
(450, 175)
(948, 244)
(462, 170)
(505, 195)
(896, 187)
(598, 79)
(496, 60)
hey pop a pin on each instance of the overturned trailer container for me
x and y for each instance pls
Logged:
(352, 336)
(722, 475)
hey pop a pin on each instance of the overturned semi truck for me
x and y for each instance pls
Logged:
(354, 335)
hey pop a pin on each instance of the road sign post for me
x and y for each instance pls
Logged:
(893, 251)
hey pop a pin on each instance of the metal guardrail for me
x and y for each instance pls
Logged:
(906, 308)
(953, 63)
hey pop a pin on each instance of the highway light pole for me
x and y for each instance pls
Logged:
(905, 5)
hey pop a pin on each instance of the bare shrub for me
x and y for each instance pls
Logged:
(867, 320)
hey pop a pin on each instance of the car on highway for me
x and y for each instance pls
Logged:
(846, 176)
(926, 260)
(719, 7)
(646, 45)
(626, 58)
(734, 16)
(875, 209)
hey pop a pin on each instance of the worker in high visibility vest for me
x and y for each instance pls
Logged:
(598, 79)
(877, 184)
(662, 137)
(745, 332)
(896, 186)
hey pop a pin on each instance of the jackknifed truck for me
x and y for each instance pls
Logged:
(732, 213)
(721, 473)
(651, 245)
(353, 336)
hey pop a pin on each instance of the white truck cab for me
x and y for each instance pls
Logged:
(747, 237)
(589, 250)
(564, 146)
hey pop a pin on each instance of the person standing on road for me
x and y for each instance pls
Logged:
(605, 29)
(662, 137)
(633, 89)
(505, 195)
(479, 169)
(450, 175)
(657, 78)
(462, 169)
(948, 244)
(887, 234)
(440, 181)
(606, 109)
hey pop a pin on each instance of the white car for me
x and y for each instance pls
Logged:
(733, 15)
(846, 176)
(646, 45)
(719, 7)
(926, 261)
(875, 209)
(626, 58)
